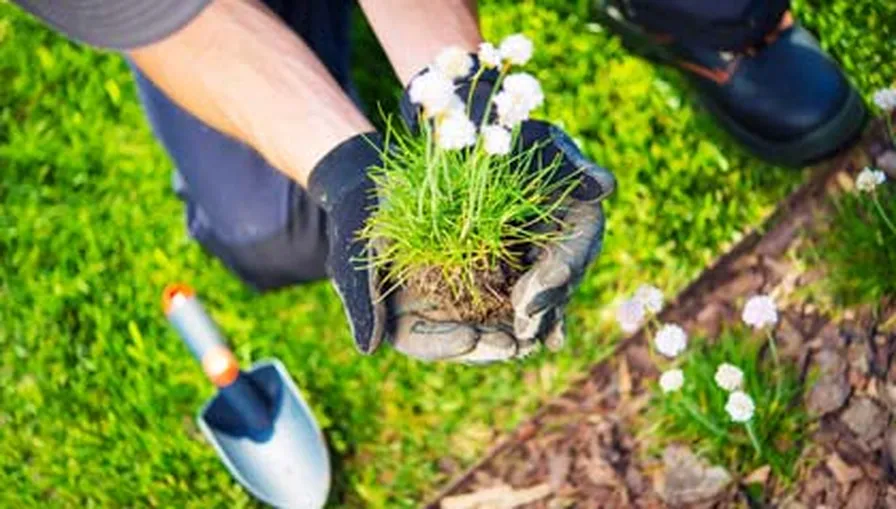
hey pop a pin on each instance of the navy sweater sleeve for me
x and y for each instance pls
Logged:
(115, 24)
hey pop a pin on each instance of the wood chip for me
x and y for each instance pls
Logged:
(624, 378)
(558, 469)
(758, 476)
(498, 497)
(845, 473)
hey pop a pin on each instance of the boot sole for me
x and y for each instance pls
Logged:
(825, 140)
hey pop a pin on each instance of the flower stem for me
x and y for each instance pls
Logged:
(749, 426)
(777, 366)
(773, 349)
(473, 84)
(883, 214)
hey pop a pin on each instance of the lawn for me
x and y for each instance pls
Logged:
(97, 395)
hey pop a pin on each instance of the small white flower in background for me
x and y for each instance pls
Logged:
(630, 314)
(434, 91)
(885, 99)
(454, 63)
(489, 56)
(740, 406)
(760, 311)
(672, 380)
(729, 377)
(516, 49)
(496, 140)
(869, 179)
(455, 131)
(520, 94)
(671, 340)
(651, 297)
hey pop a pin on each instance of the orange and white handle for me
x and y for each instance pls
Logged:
(200, 334)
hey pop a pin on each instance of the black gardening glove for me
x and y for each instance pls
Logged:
(342, 187)
(540, 295)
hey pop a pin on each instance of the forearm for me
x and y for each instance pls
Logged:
(240, 69)
(413, 32)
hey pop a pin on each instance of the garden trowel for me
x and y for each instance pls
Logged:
(257, 421)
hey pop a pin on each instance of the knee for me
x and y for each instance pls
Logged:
(293, 254)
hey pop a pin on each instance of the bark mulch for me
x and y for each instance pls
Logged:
(580, 449)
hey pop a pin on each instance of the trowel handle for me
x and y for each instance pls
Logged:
(200, 334)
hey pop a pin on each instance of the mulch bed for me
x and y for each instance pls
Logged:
(580, 449)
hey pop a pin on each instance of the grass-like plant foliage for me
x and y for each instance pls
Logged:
(695, 415)
(461, 203)
(460, 217)
(857, 246)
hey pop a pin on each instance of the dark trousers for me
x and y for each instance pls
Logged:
(261, 224)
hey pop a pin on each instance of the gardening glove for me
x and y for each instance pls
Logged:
(540, 295)
(340, 184)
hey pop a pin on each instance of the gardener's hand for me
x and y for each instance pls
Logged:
(341, 185)
(540, 295)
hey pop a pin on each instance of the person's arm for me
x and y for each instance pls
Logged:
(237, 67)
(413, 32)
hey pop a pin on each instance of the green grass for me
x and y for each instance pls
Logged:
(856, 246)
(696, 415)
(458, 214)
(97, 395)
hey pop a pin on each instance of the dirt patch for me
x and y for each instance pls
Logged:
(484, 299)
(581, 450)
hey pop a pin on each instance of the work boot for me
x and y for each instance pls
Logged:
(783, 98)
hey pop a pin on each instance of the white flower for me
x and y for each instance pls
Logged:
(455, 131)
(454, 63)
(496, 140)
(521, 93)
(651, 297)
(740, 406)
(869, 179)
(489, 56)
(885, 99)
(760, 311)
(670, 340)
(434, 91)
(525, 86)
(516, 49)
(630, 314)
(729, 377)
(672, 380)
(510, 110)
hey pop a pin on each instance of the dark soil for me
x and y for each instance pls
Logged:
(487, 300)
(580, 450)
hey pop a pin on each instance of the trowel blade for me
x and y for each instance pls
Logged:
(290, 468)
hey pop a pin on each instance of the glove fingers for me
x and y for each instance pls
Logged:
(543, 286)
(597, 182)
(357, 288)
(556, 336)
(417, 336)
(494, 345)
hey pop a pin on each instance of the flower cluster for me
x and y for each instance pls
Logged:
(885, 99)
(760, 311)
(729, 377)
(435, 90)
(740, 406)
(671, 341)
(868, 179)
(631, 312)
